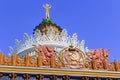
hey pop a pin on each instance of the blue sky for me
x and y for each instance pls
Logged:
(95, 21)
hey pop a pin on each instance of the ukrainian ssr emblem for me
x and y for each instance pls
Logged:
(72, 57)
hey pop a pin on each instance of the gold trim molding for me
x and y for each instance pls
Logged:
(60, 71)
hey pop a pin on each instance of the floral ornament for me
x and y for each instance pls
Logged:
(45, 51)
(98, 54)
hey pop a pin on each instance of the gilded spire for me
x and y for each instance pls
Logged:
(47, 7)
(47, 22)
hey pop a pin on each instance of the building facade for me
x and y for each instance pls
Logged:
(51, 54)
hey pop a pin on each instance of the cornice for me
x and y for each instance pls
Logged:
(56, 71)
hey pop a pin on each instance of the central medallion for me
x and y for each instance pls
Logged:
(72, 57)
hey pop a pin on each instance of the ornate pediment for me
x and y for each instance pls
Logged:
(58, 41)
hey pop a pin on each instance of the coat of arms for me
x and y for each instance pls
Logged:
(72, 57)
